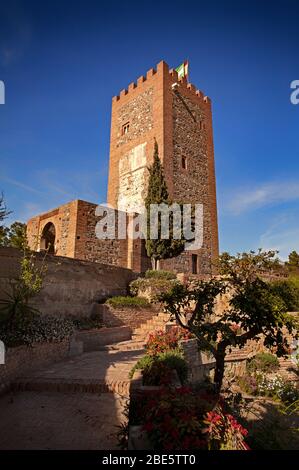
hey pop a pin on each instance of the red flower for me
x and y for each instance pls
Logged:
(148, 427)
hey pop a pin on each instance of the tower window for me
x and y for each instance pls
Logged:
(194, 264)
(184, 163)
(125, 128)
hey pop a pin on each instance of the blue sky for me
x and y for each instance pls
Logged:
(61, 63)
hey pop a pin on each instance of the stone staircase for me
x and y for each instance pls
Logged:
(155, 324)
(104, 369)
(140, 335)
(288, 369)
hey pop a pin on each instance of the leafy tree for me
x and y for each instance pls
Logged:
(254, 310)
(293, 260)
(14, 236)
(4, 236)
(17, 235)
(159, 248)
(289, 291)
(4, 212)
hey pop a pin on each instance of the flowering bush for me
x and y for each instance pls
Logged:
(224, 432)
(160, 341)
(40, 329)
(277, 387)
(173, 420)
(185, 419)
(265, 385)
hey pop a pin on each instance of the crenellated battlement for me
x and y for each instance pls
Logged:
(163, 68)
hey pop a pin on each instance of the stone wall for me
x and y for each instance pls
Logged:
(96, 339)
(91, 248)
(64, 219)
(191, 184)
(131, 316)
(71, 286)
(24, 359)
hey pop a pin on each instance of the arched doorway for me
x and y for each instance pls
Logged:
(47, 241)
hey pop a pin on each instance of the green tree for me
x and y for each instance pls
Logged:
(4, 236)
(254, 310)
(159, 248)
(4, 212)
(289, 291)
(14, 236)
(17, 235)
(293, 260)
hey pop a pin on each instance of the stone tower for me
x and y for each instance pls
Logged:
(162, 107)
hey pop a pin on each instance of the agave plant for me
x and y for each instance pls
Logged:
(14, 308)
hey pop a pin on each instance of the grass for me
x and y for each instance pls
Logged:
(161, 274)
(127, 301)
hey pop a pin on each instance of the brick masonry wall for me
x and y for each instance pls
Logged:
(91, 248)
(71, 287)
(64, 219)
(24, 359)
(133, 317)
(191, 185)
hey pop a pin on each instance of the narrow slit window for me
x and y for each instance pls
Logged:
(194, 264)
(184, 163)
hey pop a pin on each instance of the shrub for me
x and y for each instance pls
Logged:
(40, 329)
(173, 419)
(289, 292)
(86, 323)
(277, 387)
(161, 274)
(144, 362)
(183, 419)
(263, 362)
(158, 369)
(248, 384)
(224, 432)
(162, 341)
(175, 360)
(127, 301)
(152, 287)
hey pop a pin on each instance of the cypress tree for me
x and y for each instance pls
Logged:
(159, 248)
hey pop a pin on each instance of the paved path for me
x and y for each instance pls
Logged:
(47, 420)
(40, 415)
(97, 371)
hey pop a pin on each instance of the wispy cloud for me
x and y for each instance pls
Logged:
(282, 235)
(20, 185)
(51, 189)
(265, 195)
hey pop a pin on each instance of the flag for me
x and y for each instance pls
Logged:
(182, 69)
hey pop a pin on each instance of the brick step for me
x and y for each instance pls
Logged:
(132, 345)
(153, 324)
(148, 329)
(70, 385)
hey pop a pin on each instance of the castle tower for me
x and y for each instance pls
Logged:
(162, 107)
